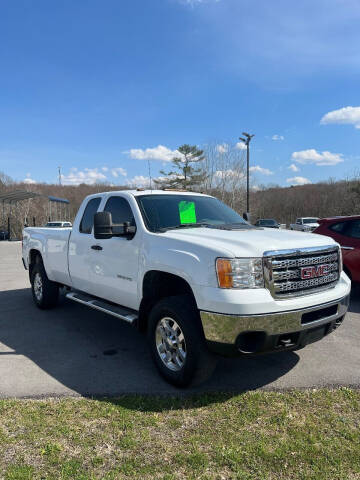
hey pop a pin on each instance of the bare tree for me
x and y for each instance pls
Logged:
(224, 164)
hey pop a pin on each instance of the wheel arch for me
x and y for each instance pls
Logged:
(34, 257)
(156, 285)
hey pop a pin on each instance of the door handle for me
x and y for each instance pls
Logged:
(347, 248)
(96, 247)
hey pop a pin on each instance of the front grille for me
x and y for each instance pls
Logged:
(282, 270)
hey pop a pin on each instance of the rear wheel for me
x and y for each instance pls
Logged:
(45, 292)
(177, 342)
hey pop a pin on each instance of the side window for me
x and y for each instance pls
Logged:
(87, 220)
(338, 227)
(353, 229)
(120, 210)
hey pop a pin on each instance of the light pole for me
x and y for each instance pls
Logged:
(247, 141)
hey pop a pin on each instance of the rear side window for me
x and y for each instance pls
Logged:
(338, 227)
(120, 210)
(87, 221)
(353, 229)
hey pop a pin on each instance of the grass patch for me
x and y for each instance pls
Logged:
(257, 435)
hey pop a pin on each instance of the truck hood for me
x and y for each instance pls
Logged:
(248, 243)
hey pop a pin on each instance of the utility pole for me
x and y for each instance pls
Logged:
(247, 141)
(59, 168)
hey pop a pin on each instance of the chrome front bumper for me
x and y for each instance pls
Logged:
(224, 333)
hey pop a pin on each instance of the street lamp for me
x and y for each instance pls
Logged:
(247, 140)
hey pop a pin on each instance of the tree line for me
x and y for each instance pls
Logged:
(218, 170)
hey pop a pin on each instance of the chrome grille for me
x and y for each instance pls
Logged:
(282, 270)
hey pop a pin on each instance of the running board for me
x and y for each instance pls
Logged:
(123, 313)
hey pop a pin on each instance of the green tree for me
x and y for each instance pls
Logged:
(184, 174)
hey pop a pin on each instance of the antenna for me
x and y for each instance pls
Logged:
(149, 174)
(59, 168)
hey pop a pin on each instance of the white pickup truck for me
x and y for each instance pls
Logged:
(305, 224)
(191, 273)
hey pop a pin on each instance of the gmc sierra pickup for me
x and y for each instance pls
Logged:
(191, 273)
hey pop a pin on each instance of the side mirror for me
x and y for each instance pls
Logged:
(102, 225)
(104, 228)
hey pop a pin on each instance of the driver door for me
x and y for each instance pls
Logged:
(115, 263)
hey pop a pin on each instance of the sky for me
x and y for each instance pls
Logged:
(101, 87)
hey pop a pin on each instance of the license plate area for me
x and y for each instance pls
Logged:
(315, 334)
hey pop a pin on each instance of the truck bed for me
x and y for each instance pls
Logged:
(53, 243)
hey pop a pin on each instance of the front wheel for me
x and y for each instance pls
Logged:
(177, 342)
(45, 292)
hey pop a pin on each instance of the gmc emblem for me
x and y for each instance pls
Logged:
(314, 272)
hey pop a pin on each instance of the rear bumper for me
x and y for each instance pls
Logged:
(239, 334)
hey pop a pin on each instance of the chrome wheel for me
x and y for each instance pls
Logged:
(170, 344)
(38, 287)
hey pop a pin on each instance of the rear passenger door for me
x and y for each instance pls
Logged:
(81, 241)
(114, 266)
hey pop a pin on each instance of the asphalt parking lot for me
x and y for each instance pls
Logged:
(73, 350)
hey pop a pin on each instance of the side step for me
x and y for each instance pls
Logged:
(123, 313)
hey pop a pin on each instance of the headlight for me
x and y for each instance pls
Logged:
(240, 272)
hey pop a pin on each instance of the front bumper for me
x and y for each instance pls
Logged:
(239, 334)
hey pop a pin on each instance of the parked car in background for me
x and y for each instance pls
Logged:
(4, 234)
(58, 224)
(267, 222)
(305, 224)
(346, 231)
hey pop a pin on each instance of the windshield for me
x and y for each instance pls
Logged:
(162, 212)
(310, 220)
(267, 222)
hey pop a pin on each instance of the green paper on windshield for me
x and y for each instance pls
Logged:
(187, 212)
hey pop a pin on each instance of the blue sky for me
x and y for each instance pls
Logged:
(98, 86)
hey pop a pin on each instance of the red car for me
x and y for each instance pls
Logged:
(346, 231)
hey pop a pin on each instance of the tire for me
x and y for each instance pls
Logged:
(45, 292)
(177, 318)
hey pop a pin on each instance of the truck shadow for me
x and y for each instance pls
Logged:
(84, 352)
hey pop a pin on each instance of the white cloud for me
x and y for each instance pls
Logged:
(139, 181)
(88, 175)
(240, 146)
(160, 153)
(318, 158)
(345, 115)
(222, 148)
(28, 179)
(105, 169)
(115, 172)
(293, 167)
(277, 137)
(298, 181)
(263, 171)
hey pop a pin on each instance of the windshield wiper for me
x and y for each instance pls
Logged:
(184, 225)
